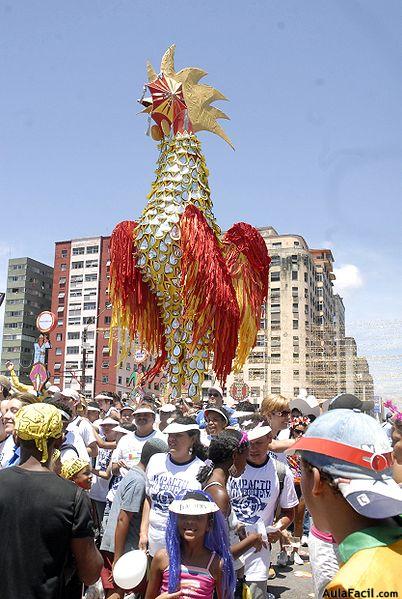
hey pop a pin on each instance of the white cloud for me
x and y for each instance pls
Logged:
(348, 277)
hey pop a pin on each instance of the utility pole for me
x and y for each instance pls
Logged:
(84, 358)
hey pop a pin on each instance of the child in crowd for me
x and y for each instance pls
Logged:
(78, 471)
(197, 560)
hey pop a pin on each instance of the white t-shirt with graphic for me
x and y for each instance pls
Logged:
(165, 480)
(254, 497)
(100, 486)
(129, 449)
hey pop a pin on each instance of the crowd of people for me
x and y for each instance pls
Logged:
(205, 489)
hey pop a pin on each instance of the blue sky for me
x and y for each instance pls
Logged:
(315, 107)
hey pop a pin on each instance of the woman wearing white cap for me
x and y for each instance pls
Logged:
(168, 474)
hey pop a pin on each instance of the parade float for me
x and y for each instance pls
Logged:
(191, 295)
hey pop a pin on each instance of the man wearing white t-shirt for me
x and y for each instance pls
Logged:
(254, 496)
(128, 451)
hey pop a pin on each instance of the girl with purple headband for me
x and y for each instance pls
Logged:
(197, 561)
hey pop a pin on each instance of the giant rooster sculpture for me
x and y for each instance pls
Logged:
(188, 293)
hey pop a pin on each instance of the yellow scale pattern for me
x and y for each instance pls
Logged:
(181, 179)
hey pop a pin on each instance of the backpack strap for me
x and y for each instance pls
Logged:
(69, 446)
(281, 473)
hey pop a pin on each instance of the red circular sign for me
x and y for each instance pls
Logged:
(239, 390)
(46, 321)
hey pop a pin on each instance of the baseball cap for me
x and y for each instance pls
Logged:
(215, 388)
(193, 504)
(176, 427)
(144, 410)
(109, 420)
(354, 450)
(127, 407)
(168, 408)
(218, 411)
(71, 394)
(258, 432)
(306, 405)
(348, 401)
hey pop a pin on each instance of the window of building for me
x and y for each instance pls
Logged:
(78, 251)
(59, 337)
(275, 260)
(91, 263)
(76, 279)
(296, 244)
(108, 319)
(60, 309)
(64, 253)
(275, 390)
(256, 373)
(120, 380)
(56, 380)
(128, 366)
(58, 351)
(275, 376)
(88, 380)
(61, 295)
(73, 335)
(275, 276)
(89, 305)
(295, 275)
(60, 322)
(260, 341)
(105, 364)
(296, 374)
(76, 293)
(106, 334)
(63, 266)
(90, 334)
(295, 324)
(277, 244)
(105, 378)
(91, 277)
(105, 350)
(256, 391)
(88, 320)
(57, 365)
(275, 357)
(62, 281)
(78, 264)
(73, 349)
(74, 320)
(306, 277)
(92, 249)
(296, 391)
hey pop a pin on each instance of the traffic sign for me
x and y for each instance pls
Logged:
(46, 321)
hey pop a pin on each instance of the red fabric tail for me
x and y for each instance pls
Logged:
(135, 309)
(248, 263)
(208, 294)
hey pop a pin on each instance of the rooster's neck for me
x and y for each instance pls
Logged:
(181, 179)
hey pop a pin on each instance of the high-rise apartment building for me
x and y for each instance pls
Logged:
(301, 340)
(80, 343)
(29, 292)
